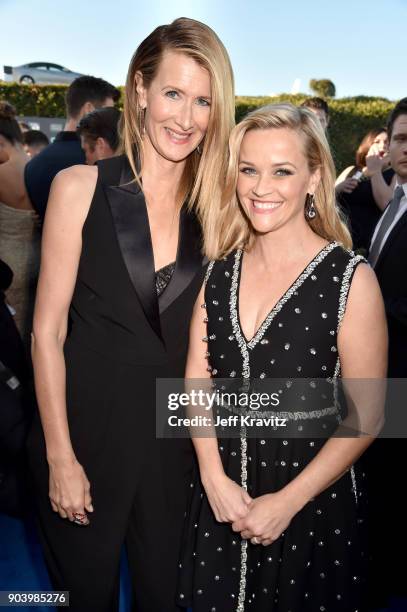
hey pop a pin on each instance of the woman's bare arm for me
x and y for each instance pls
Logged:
(227, 499)
(68, 205)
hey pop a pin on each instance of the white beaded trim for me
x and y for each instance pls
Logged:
(234, 316)
(294, 416)
(243, 441)
(208, 271)
(343, 298)
(344, 291)
(243, 546)
(354, 486)
(263, 327)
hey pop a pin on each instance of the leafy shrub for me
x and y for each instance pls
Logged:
(351, 118)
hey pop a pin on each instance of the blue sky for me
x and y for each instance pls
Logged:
(360, 45)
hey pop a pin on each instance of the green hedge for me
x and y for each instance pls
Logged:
(351, 118)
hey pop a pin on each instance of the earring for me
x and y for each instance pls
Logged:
(141, 118)
(310, 206)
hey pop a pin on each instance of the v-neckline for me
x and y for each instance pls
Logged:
(237, 272)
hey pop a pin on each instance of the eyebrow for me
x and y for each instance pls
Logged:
(284, 163)
(182, 91)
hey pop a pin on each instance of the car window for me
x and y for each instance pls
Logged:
(54, 68)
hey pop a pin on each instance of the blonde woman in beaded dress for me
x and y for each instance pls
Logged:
(19, 226)
(277, 524)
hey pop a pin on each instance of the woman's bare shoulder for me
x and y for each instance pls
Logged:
(77, 177)
(71, 193)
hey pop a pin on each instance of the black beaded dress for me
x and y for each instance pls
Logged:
(319, 563)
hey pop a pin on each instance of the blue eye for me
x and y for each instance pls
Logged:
(247, 170)
(172, 94)
(203, 102)
(284, 172)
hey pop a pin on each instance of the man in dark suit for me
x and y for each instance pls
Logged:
(84, 95)
(386, 458)
(388, 249)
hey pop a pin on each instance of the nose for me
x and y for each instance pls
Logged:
(262, 187)
(185, 118)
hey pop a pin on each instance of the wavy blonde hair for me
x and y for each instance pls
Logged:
(205, 170)
(229, 229)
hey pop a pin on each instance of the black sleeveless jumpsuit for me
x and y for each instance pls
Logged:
(122, 336)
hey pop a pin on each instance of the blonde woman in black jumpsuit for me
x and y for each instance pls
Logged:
(122, 260)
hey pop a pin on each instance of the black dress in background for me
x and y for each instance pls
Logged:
(122, 337)
(318, 564)
(362, 212)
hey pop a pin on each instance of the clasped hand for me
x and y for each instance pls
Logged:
(263, 518)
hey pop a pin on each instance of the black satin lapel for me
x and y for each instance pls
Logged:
(189, 259)
(401, 223)
(130, 218)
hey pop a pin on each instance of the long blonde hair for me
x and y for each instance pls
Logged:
(229, 229)
(205, 170)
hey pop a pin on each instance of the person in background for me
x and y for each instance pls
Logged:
(84, 95)
(99, 134)
(19, 225)
(365, 188)
(388, 257)
(320, 108)
(16, 400)
(34, 142)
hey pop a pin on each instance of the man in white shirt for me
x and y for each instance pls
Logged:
(386, 458)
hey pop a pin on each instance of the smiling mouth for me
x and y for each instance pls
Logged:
(178, 137)
(265, 206)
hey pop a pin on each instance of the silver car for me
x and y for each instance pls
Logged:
(40, 72)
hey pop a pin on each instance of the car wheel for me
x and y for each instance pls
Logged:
(26, 80)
